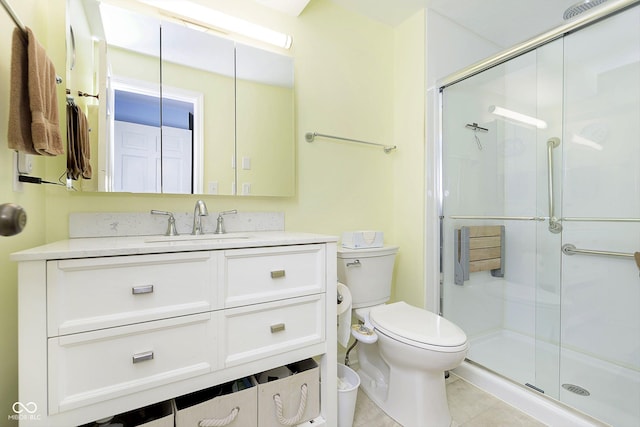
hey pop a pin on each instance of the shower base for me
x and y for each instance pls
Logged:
(614, 390)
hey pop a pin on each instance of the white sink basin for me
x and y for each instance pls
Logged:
(191, 237)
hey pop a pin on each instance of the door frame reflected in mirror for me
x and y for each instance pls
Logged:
(106, 145)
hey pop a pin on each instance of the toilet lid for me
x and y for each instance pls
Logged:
(407, 322)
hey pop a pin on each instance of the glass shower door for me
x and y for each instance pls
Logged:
(541, 217)
(600, 331)
(501, 163)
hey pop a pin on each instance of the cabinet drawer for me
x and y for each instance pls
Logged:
(94, 293)
(96, 366)
(267, 274)
(262, 330)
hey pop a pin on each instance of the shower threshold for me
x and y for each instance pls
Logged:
(613, 390)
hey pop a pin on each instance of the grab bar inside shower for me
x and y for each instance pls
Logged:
(554, 223)
(569, 249)
(499, 218)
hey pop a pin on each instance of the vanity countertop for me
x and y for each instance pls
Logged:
(136, 245)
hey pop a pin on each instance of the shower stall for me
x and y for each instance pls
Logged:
(540, 215)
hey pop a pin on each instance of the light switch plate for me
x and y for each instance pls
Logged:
(246, 163)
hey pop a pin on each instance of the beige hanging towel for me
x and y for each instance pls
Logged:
(33, 106)
(78, 147)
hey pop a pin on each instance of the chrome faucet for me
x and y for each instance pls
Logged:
(199, 211)
(220, 227)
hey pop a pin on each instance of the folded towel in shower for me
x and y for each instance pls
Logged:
(33, 106)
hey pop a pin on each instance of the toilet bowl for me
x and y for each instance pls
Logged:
(403, 350)
(418, 346)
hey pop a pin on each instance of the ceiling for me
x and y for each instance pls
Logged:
(503, 22)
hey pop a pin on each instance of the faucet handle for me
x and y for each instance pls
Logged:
(220, 226)
(171, 225)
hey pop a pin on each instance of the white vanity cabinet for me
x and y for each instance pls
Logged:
(107, 327)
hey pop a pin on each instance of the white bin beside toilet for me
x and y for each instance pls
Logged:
(348, 383)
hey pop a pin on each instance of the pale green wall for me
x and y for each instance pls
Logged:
(409, 174)
(264, 134)
(35, 14)
(344, 86)
(354, 78)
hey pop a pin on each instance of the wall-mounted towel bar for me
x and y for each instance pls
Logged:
(20, 25)
(15, 18)
(310, 136)
(84, 94)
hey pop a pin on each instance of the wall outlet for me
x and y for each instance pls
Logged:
(213, 187)
(246, 189)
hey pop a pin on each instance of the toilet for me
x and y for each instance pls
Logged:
(402, 350)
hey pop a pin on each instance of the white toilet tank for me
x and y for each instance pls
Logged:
(367, 273)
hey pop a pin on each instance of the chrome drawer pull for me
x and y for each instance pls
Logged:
(141, 357)
(278, 327)
(277, 273)
(146, 289)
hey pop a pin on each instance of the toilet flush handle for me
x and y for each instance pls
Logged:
(355, 263)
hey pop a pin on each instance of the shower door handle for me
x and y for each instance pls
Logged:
(554, 223)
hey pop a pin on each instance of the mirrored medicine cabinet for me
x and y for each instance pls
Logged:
(178, 110)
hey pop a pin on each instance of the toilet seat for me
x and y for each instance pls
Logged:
(417, 327)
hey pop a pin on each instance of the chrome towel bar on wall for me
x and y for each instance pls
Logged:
(21, 26)
(13, 16)
(310, 136)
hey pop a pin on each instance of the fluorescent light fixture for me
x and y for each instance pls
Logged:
(518, 117)
(202, 15)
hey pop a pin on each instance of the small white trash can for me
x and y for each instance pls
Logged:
(348, 383)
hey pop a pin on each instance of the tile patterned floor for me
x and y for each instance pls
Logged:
(469, 406)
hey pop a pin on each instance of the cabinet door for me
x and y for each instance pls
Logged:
(95, 293)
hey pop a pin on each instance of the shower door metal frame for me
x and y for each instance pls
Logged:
(601, 12)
